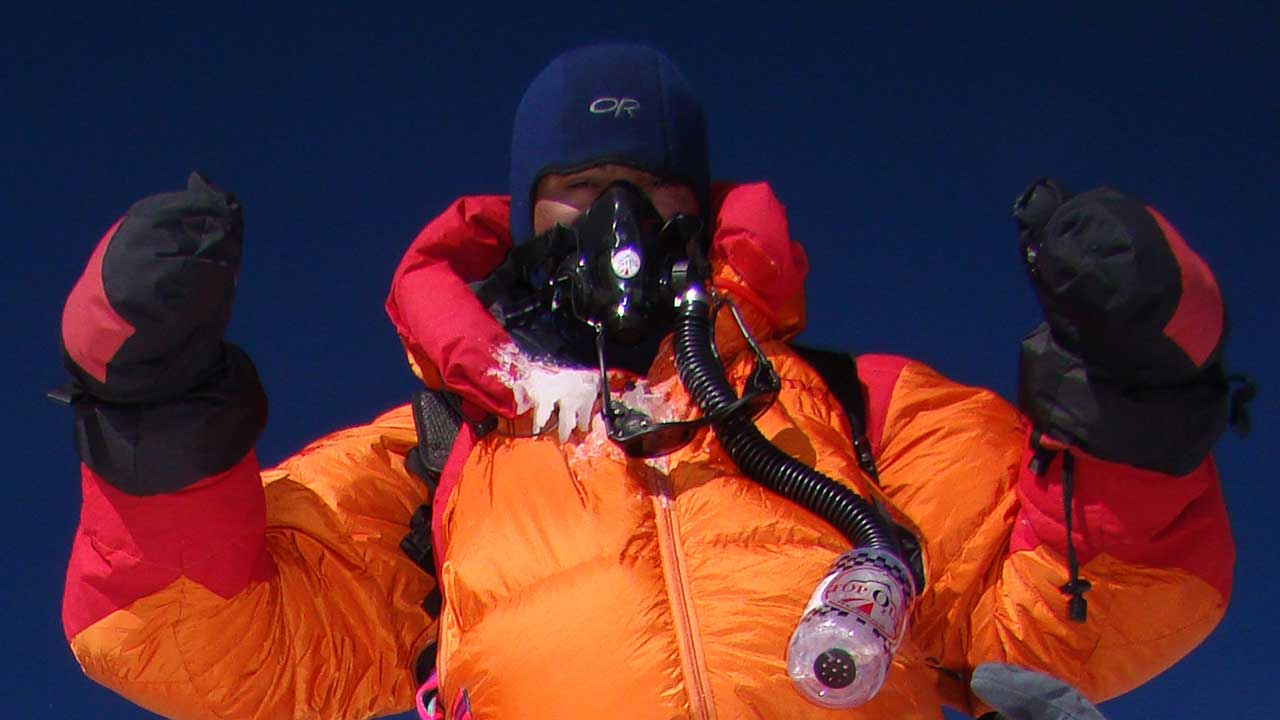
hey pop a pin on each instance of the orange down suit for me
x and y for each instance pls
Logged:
(579, 583)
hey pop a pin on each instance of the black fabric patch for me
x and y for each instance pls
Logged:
(1169, 428)
(417, 543)
(437, 421)
(840, 372)
(1109, 283)
(170, 272)
(153, 448)
(425, 664)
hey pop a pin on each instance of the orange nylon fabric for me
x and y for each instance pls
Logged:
(984, 603)
(582, 584)
(333, 635)
(578, 581)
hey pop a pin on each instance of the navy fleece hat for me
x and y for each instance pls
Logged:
(619, 103)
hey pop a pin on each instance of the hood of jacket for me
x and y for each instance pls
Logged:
(453, 342)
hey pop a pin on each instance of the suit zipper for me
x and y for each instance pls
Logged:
(691, 658)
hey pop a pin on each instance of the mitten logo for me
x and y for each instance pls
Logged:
(614, 106)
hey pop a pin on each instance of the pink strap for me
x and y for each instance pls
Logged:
(429, 709)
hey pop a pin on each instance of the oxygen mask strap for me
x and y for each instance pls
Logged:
(521, 266)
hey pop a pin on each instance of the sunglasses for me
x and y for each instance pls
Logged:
(640, 436)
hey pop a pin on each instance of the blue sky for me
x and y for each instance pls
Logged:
(897, 138)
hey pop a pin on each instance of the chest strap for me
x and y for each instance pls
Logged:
(437, 418)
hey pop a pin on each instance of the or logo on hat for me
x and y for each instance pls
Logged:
(614, 106)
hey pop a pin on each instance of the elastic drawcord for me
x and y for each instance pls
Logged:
(1044, 448)
(1076, 587)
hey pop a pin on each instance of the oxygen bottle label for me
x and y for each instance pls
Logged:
(864, 584)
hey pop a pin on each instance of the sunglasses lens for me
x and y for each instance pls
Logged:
(639, 436)
(625, 422)
(661, 440)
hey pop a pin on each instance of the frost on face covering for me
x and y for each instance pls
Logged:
(571, 394)
(545, 388)
(651, 400)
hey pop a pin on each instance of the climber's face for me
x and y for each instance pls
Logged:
(562, 198)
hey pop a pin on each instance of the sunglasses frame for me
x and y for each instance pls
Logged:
(640, 436)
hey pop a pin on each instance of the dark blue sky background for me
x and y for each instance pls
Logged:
(897, 135)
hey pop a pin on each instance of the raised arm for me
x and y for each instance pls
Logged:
(1126, 394)
(1086, 535)
(190, 590)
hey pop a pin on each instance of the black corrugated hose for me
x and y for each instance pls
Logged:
(703, 377)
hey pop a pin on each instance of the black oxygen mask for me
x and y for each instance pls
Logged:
(619, 271)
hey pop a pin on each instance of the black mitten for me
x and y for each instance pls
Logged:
(1118, 284)
(1127, 364)
(145, 321)
(161, 401)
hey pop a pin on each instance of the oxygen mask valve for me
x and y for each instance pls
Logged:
(622, 271)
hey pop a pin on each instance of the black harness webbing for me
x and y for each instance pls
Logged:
(839, 371)
(437, 421)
